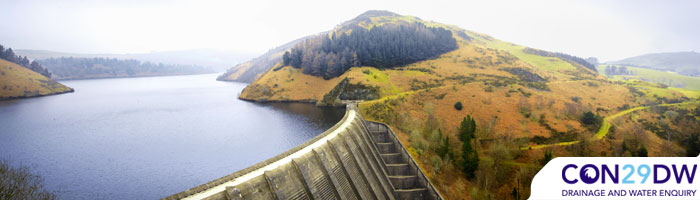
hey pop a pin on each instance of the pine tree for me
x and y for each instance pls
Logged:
(9, 55)
(355, 62)
(463, 129)
(443, 149)
(471, 158)
(472, 127)
(467, 128)
(469, 155)
(25, 62)
(296, 58)
(286, 58)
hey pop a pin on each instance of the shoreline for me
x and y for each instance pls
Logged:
(117, 77)
(44, 95)
(306, 101)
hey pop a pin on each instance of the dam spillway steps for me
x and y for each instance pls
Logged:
(406, 177)
(355, 159)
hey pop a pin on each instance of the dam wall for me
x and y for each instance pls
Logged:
(355, 159)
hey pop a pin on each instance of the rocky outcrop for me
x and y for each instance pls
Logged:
(348, 91)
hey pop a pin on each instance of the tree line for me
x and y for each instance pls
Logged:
(75, 68)
(563, 56)
(614, 70)
(383, 46)
(9, 55)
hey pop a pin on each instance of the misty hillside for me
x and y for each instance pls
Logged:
(671, 79)
(216, 60)
(88, 68)
(20, 78)
(249, 71)
(19, 82)
(684, 63)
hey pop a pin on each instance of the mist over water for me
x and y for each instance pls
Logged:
(147, 138)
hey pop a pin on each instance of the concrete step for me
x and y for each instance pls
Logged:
(381, 136)
(392, 158)
(386, 147)
(403, 182)
(398, 169)
(415, 193)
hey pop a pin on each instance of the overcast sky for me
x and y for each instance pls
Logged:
(604, 29)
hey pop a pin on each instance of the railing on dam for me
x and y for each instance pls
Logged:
(354, 159)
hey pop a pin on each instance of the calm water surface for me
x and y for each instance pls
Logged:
(147, 138)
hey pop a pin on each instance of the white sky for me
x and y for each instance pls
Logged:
(604, 29)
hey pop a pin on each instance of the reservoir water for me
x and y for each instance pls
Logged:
(147, 138)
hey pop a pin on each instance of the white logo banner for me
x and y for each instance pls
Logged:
(618, 178)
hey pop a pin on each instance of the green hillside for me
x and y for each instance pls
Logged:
(668, 78)
(19, 82)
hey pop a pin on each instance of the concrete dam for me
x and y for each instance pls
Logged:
(354, 159)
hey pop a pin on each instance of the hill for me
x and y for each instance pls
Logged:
(684, 63)
(671, 79)
(249, 71)
(87, 68)
(9, 55)
(527, 104)
(214, 60)
(19, 82)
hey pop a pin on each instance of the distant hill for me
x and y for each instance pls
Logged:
(216, 60)
(19, 82)
(249, 71)
(684, 63)
(672, 79)
(88, 68)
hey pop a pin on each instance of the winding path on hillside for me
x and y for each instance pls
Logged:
(605, 127)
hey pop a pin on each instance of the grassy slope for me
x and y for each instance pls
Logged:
(668, 78)
(19, 82)
(467, 75)
(237, 72)
(605, 127)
